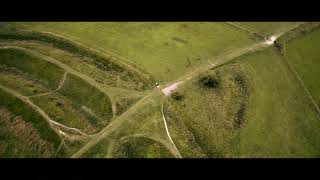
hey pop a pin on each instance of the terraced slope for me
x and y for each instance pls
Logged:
(23, 131)
(74, 104)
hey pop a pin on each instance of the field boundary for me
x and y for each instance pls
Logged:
(247, 29)
(301, 83)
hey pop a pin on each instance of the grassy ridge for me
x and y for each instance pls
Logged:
(21, 82)
(100, 61)
(48, 73)
(16, 106)
(61, 110)
(95, 105)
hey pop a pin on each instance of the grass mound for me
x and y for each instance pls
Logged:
(211, 114)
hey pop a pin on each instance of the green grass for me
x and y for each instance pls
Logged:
(102, 62)
(39, 125)
(281, 121)
(19, 139)
(99, 150)
(207, 116)
(80, 64)
(123, 103)
(61, 110)
(95, 104)
(250, 107)
(167, 49)
(140, 147)
(43, 71)
(144, 120)
(304, 55)
(21, 82)
(268, 28)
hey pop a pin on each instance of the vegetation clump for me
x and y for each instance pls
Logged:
(177, 96)
(210, 81)
(240, 81)
(239, 118)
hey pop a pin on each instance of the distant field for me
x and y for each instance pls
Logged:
(167, 50)
(268, 28)
(281, 121)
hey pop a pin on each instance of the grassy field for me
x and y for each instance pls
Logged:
(21, 82)
(118, 70)
(140, 147)
(277, 118)
(249, 104)
(61, 110)
(167, 50)
(281, 121)
(268, 28)
(303, 54)
(43, 71)
(94, 104)
(100, 150)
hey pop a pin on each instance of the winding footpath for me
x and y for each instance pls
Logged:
(168, 133)
(59, 87)
(38, 110)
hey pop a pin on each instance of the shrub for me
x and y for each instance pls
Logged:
(210, 82)
(177, 96)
